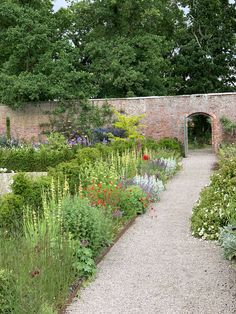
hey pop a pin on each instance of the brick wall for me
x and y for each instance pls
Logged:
(27, 123)
(164, 116)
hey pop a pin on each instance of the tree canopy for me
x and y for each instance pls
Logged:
(115, 48)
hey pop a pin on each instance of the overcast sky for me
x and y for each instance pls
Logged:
(59, 4)
(62, 3)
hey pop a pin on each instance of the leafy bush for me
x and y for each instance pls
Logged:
(105, 150)
(171, 144)
(227, 240)
(129, 124)
(7, 292)
(217, 204)
(88, 154)
(11, 213)
(86, 223)
(133, 201)
(84, 264)
(30, 189)
(28, 159)
(123, 146)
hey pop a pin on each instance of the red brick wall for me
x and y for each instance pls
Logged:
(164, 116)
(26, 123)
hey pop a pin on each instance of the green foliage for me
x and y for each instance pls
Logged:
(199, 131)
(85, 264)
(122, 146)
(133, 201)
(37, 60)
(171, 144)
(28, 159)
(131, 125)
(30, 189)
(88, 154)
(205, 61)
(128, 52)
(104, 150)
(227, 241)
(7, 292)
(42, 274)
(216, 206)
(100, 49)
(11, 213)
(79, 117)
(228, 125)
(86, 223)
(56, 142)
(60, 235)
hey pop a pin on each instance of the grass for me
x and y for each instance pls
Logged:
(42, 274)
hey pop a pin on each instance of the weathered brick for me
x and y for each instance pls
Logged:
(164, 116)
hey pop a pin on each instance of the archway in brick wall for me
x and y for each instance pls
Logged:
(209, 128)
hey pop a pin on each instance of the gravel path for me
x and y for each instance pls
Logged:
(157, 267)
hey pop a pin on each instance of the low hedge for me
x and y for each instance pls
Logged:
(28, 159)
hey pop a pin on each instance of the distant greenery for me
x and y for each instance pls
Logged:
(199, 131)
(113, 48)
(228, 125)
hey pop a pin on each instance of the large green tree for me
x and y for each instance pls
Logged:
(205, 58)
(115, 48)
(126, 45)
(37, 61)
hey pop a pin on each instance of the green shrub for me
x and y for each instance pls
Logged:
(27, 159)
(11, 212)
(86, 223)
(71, 171)
(104, 150)
(87, 155)
(133, 201)
(227, 241)
(170, 144)
(30, 189)
(216, 206)
(7, 292)
(85, 264)
(122, 146)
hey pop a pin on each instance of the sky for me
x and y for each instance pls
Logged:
(59, 4)
(62, 3)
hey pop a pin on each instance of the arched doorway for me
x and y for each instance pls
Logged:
(198, 131)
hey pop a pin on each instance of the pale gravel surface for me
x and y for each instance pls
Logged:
(157, 267)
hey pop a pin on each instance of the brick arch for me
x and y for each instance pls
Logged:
(215, 126)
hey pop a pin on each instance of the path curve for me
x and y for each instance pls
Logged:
(157, 267)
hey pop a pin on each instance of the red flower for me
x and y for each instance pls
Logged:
(145, 157)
